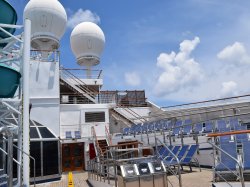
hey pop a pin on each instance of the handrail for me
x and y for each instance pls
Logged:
(121, 115)
(34, 160)
(134, 114)
(96, 141)
(108, 136)
(76, 79)
(13, 158)
(175, 157)
(237, 161)
(207, 101)
(228, 133)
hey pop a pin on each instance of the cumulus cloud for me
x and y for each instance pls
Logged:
(132, 79)
(228, 89)
(235, 54)
(82, 15)
(179, 69)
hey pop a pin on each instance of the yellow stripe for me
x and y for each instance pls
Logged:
(71, 181)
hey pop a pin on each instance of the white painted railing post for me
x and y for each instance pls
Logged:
(26, 102)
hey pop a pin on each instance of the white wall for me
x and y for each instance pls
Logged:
(72, 118)
(44, 94)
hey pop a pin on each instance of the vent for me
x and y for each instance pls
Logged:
(94, 117)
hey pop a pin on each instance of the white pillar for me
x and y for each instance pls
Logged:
(26, 102)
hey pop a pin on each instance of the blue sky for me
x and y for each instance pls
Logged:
(178, 51)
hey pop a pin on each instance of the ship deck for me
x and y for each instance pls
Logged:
(79, 178)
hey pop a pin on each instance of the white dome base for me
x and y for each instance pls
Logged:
(45, 43)
(88, 61)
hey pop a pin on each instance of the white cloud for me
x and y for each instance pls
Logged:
(82, 15)
(132, 79)
(229, 89)
(235, 54)
(179, 69)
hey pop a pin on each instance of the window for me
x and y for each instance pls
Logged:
(50, 158)
(94, 117)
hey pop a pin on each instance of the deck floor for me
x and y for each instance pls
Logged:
(189, 179)
(194, 179)
(78, 177)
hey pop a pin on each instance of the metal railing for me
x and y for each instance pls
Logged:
(106, 169)
(20, 164)
(108, 136)
(84, 73)
(176, 173)
(77, 84)
(44, 56)
(238, 162)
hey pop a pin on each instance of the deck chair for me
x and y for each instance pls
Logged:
(180, 155)
(144, 128)
(209, 127)
(68, 135)
(77, 134)
(222, 126)
(246, 155)
(225, 139)
(187, 160)
(187, 129)
(126, 131)
(241, 137)
(163, 152)
(174, 151)
(198, 128)
(227, 163)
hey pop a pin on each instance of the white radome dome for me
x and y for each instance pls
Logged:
(48, 23)
(87, 42)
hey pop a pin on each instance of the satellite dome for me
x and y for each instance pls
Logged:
(48, 23)
(87, 43)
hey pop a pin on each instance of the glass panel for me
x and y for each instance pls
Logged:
(38, 124)
(31, 124)
(35, 151)
(45, 133)
(66, 163)
(78, 162)
(77, 150)
(66, 151)
(33, 132)
(50, 158)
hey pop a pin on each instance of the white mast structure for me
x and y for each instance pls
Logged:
(47, 19)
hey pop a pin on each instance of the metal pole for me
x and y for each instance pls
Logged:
(20, 140)
(10, 160)
(26, 102)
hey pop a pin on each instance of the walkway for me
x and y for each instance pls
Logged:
(79, 180)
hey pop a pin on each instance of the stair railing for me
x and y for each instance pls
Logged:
(108, 136)
(123, 116)
(96, 143)
(76, 81)
(135, 114)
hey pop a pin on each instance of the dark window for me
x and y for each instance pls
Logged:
(38, 124)
(45, 133)
(94, 117)
(35, 151)
(33, 132)
(50, 158)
